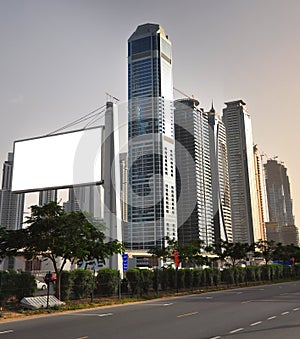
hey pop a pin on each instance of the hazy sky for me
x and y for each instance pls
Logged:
(58, 58)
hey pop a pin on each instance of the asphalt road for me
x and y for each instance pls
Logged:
(271, 311)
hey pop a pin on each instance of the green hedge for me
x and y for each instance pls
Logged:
(133, 277)
(66, 285)
(197, 278)
(82, 283)
(239, 275)
(250, 274)
(107, 282)
(146, 281)
(79, 284)
(227, 276)
(16, 285)
(188, 278)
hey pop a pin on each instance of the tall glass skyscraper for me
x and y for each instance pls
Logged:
(151, 149)
(220, 177)
(279, 194)
(11, 204)
(193, 178)
(262, 200)
(243, 189)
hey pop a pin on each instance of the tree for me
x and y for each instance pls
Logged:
(266, 249)
(159, 253)
(165, 253)
(286, 252)
(192, 254)
(189, 254)
(58, 236)
(233, 251)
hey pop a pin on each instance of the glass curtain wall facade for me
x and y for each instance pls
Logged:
(261, 192)
(88, 199)
(11, 204)
(193, 177)
(47, 196)
(151, 148)
(279, 195)
(220, 178)
(244, 204)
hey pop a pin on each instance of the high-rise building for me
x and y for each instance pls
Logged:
(285, 235)
(47, 196)
(124, 186)
(280, 204)
(279, 194)
(88, 199)
(243, 189)
(11, 204)
(193, 175)
(220, 177)
(124, 193)
(151, 147)
(261, 193)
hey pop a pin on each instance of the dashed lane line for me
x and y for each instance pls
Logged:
(156, 304)
(257, 322)
(237, 330)
(6, 332)
(187, 314)
(90, 314)
(105, 314)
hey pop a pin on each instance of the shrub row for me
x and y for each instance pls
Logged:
(15, 285)
(77, 284)
(140, 282)
(80, 283)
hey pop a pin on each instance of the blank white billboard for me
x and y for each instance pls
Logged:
(57, 161)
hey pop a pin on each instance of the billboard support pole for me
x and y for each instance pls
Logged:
(112, 207)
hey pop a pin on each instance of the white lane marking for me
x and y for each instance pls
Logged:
(104, 314)
(157, 304)
(237, 330)
(274, 316)
(5, 332)
(246, 302)
(186, 314)
(257, 323)
(217, 337)
(91, 314)
(269, 300)
(284, 313)
(296, 309)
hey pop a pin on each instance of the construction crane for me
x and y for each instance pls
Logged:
(111, 98)
(186, 95)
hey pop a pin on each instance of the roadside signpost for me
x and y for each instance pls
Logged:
(125, 261)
